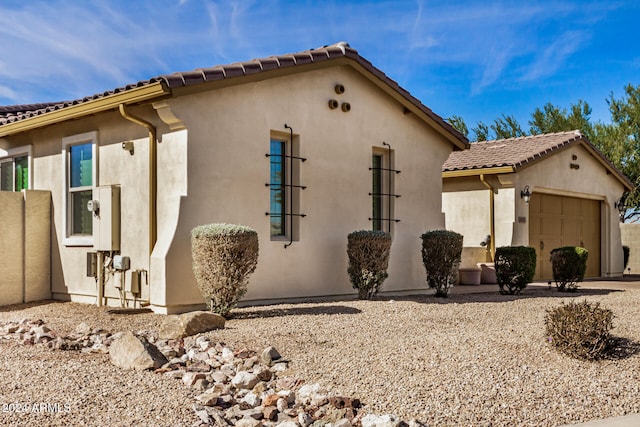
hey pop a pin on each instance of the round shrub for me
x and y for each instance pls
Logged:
(515, 268)
(368, 253)
(580, 330)
(569, 264)
(441, 255)
(224, 255)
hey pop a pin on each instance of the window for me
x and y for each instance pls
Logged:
(14, 169)
(277, 180)
(376, 193)
(383, 177)
(284, 187)
(79, 154)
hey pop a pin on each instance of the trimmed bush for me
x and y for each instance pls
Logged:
(515, 268)
(224, 255)
(441, 254)
(368, 253)
(580, 330)
(569, 264)
(626, 252)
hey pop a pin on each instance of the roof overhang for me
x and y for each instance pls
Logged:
(110, 102)
(477, 172)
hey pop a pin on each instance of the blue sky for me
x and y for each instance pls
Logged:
(475, 59)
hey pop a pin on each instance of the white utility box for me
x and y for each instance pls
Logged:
(106, 219)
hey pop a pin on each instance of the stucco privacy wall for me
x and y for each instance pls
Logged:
(630, 234)
(228, 137)
(467, 213)
(25, 240)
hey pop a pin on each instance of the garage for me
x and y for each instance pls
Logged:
(542, 191)
(557, 221)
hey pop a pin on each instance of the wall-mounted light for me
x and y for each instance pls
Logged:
(619, 205)
(526, 194)
(128, 146)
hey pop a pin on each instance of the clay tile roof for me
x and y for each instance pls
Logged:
(514, 152)
(519, 152)
(239, 70)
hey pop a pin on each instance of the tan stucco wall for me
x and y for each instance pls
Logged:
(552, 175)
(215, 170)
(25, 246)
(630, 234)
(11, 247)
(37, 242)
(228, 169)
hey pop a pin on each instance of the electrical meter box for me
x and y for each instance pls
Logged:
(106, 218)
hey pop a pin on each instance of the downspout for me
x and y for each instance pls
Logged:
(153, 176)
(492, 217)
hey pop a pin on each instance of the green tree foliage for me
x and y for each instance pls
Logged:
(481, 132)
(618, 140)
(552, 118)
(507, 127)
(458, 124)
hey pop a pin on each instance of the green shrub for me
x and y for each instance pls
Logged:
(441, 254)
(368, 253)
(626, 252)
(580, 330)
(515, 268)
(569, 264)
(224, 255)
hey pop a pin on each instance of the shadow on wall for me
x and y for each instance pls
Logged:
(58, 284)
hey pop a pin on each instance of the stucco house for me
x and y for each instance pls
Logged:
(543, 191)
(303, 147)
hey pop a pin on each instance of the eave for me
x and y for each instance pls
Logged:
(477, 172)
(110, 102)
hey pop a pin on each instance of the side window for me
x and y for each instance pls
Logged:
(284, 187)
(383, 183)
(277, 182)
(14, 170)
(80, 176)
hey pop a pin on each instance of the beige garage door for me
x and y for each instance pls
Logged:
(557, 221)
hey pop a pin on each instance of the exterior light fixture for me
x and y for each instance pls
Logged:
(619, 204)
(526, 194)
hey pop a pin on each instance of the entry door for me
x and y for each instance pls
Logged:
(557, 221)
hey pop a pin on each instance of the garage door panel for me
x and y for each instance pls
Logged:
(564, 221)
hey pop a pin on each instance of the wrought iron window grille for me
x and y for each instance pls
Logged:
(390, 172)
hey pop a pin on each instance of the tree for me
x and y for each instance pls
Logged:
(551, 119)
(458, 124)
(481, 132)
(507, 127)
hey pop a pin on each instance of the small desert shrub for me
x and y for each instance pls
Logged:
(515, 268)
(626, 252)
(368, 253)
(580, 330)
(569, 264)
(441, 254)
(224, 255)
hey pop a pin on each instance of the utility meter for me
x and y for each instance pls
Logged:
(93, 206)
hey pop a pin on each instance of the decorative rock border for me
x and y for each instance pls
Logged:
(241, 388)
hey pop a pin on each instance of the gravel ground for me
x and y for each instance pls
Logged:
(470, 360)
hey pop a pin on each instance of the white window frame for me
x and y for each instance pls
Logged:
(12, 153)
(67, 214)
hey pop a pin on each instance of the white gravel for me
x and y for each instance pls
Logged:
(472, 360)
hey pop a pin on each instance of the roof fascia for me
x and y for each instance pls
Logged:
(478, 172)
(110, 102)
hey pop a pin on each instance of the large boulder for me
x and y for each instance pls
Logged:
(192, 323)
(133, 352)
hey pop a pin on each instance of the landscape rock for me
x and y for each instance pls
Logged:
(187, 324)
(388, 420)
(245, 380)
(269, 355)
(132, 352)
